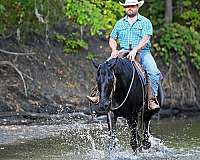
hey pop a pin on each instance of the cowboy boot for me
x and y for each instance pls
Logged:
(93, 99)
(152, 101)
(94, 95)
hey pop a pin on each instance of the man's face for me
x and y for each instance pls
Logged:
(131, 11)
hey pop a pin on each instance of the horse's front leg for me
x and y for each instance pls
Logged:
(135, 139)
(111, 120)
(146, 142)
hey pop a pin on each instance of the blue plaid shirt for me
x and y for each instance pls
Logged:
(128, 35)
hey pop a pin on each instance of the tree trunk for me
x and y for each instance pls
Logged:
(168, 11)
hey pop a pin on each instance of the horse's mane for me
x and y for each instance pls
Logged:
(123, 65)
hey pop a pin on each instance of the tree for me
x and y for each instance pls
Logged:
(168, 11)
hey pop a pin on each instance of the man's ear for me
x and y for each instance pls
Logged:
(96, 65)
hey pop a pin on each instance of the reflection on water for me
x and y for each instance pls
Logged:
(172, 139)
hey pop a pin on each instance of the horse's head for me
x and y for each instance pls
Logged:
(105, 80)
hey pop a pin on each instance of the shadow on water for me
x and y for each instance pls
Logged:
(175, 139)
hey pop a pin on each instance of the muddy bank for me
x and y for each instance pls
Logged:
(57, 83)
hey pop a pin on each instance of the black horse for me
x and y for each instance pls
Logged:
(120, 85)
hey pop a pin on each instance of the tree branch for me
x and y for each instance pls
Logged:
(14, 53)
(18, 71)
(7, 36)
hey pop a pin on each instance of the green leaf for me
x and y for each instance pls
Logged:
(2, 8)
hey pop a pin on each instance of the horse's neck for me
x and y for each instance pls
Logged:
(123, 74)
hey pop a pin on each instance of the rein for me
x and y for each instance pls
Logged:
(114, 86)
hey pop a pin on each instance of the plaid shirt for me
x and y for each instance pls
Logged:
(128, 35)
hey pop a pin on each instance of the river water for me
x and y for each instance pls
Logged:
(171, 140)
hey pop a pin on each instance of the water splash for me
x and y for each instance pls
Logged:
(80, 141)
(91, 140)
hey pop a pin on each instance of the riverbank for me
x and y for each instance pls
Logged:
(50, 82)
(30, 118)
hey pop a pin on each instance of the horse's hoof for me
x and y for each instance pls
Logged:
(134, 146)
(112, 146)
(146, 144)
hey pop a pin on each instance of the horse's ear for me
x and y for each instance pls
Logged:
(96, 65)
(113, 63)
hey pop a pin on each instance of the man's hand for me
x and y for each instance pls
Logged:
(132, 54)
(114, 53)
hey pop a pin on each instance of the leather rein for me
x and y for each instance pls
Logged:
(128, 92)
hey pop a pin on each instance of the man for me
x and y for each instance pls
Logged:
(133, 33)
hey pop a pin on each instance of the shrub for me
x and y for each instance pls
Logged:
(179, 43)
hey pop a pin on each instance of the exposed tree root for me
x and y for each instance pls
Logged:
(168, 77)
(15, 53)
(18, 71)
(193, 87)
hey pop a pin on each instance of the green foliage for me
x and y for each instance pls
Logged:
(71, 45)
(2, 9)
(97, 14)
(91, 56)
(192, 18)
(99, 17)
(180, 44)
(154, 10)
(21, 14)
(186, 3)
(187, 13)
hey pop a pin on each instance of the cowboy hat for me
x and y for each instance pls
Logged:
(132, 3)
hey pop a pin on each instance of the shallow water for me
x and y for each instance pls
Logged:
(171, 139)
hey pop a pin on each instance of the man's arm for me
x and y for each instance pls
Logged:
(113, 46)
(141, 45)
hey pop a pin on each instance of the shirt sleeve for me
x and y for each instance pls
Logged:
(147, 29)
(114, 33)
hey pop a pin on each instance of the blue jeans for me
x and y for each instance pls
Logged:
(148, 63)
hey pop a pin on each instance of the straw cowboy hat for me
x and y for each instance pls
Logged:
(132, 3)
